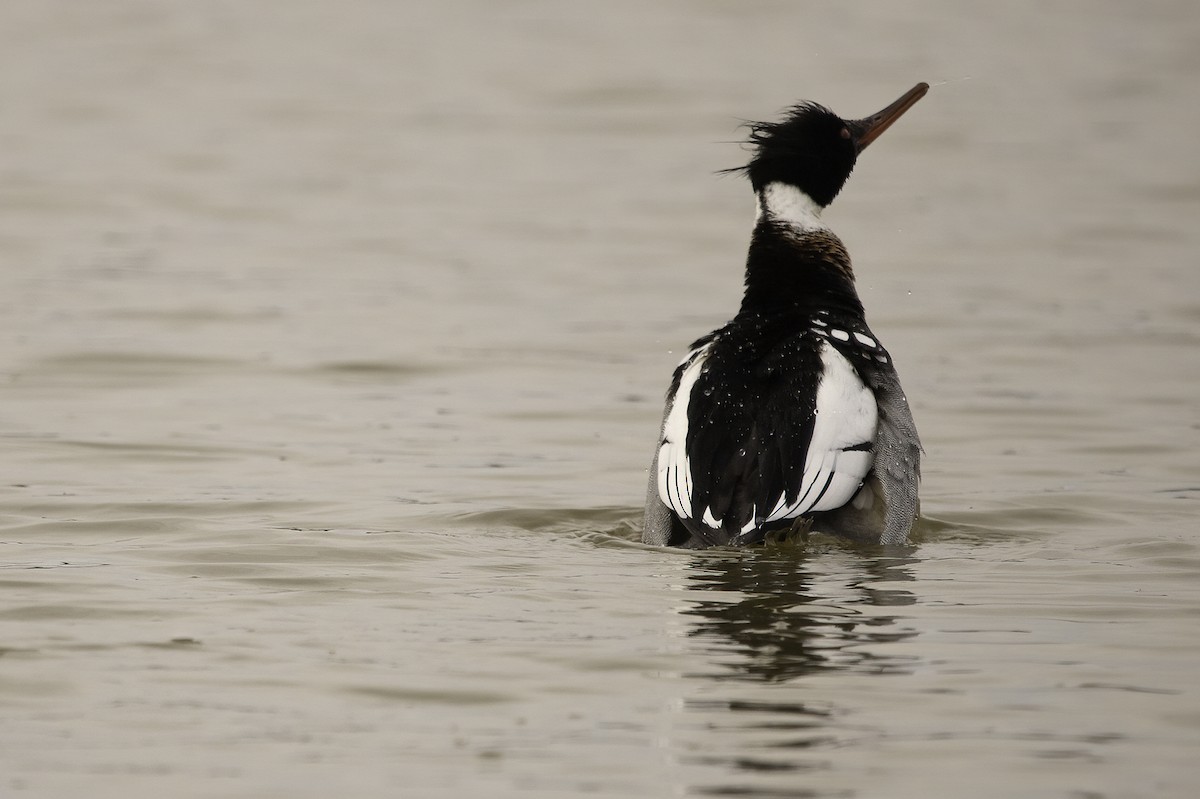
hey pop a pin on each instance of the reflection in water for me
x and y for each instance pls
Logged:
(779, 612)
(766, 619)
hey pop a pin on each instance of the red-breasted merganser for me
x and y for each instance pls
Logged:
(792, 414)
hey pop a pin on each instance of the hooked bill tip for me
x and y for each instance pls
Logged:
(876, 124)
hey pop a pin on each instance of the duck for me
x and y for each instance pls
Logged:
(791, 417)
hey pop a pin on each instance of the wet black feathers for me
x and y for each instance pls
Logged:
(750, 420)
(811, 148)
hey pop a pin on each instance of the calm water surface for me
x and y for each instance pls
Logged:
(332, 344)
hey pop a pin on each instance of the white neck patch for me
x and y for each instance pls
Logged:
(781, 202)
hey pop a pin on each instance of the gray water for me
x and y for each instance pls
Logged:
(333, 338)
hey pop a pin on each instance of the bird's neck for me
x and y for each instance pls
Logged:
(795, 261)
(789, 205)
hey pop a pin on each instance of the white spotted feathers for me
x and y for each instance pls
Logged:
(860, 340)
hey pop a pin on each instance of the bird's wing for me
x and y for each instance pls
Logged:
(760, 445)
(673, 464)
(660, 526)
(897, 465)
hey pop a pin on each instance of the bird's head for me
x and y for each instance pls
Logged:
(814, 149)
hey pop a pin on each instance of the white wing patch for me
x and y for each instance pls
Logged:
(674, 466)
(847, 417)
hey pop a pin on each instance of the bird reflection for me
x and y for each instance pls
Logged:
(781, 612)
